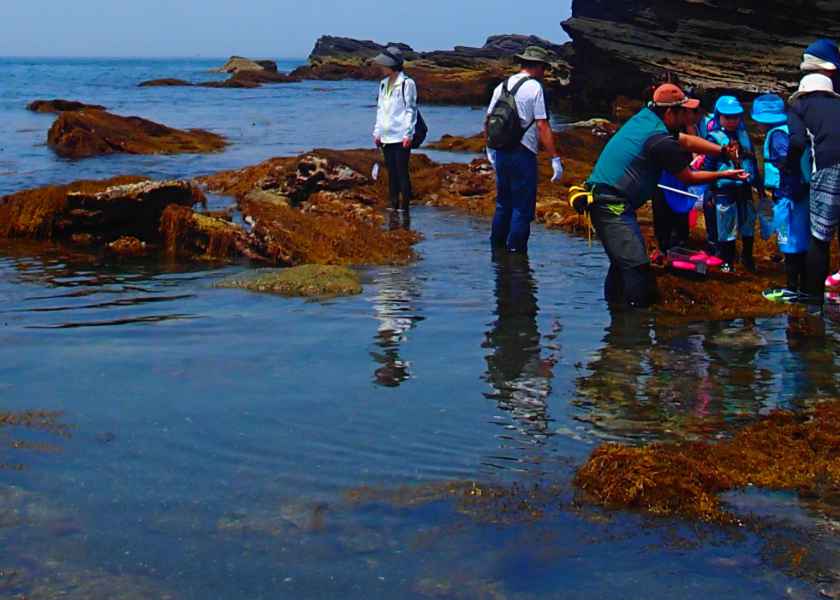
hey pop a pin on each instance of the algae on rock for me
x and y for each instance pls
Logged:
(311, 281)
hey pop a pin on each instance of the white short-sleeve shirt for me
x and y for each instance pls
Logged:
(530, 103)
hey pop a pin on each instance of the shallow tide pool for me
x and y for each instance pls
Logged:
(416, 441)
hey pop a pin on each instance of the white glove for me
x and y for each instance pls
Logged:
(491, 156)
(557, 165)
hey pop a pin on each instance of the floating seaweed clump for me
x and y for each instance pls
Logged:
(783, 451)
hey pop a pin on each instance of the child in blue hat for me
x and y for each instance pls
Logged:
(732, 199)
(791, 210)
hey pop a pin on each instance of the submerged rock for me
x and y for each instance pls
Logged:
(94, 133)
(99, 211)
(311, 281)
(57, 106)
(165, 82)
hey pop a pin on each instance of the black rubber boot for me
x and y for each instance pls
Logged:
(747, 254)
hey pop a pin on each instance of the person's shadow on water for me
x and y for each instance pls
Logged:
(518, 376)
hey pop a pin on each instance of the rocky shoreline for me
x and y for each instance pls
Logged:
(462, 76)
(323, 207)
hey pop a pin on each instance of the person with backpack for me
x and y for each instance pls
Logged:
(789, 192)
(516, 124)
(397, 124)
(625, 178)
(814, 124)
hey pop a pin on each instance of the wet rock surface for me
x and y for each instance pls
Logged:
(96, 133)
(463, 75)
(310, 281)
(238, 64)
(57, 106)
(753, 47)
(318, 208)
(103, 211)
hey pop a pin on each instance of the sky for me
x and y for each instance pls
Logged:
(259, 28)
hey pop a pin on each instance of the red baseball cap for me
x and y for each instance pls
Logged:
(669, 94)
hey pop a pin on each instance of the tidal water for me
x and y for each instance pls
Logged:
(417, 441)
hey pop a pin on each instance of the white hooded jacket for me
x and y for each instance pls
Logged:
(396, 110)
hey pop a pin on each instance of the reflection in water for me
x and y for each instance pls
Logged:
(519, 377)
(653, 380)
(809, 370)
(395, 308)
(77, 289)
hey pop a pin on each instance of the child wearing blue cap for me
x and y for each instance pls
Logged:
(734, 210)
(791, 210)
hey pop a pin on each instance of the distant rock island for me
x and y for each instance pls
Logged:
(245, 73)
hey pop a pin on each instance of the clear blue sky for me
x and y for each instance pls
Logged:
(259, 28)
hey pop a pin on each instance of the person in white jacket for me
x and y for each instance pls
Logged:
(396, 119)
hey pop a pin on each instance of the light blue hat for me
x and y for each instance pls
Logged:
(769, 109)
(729, 106)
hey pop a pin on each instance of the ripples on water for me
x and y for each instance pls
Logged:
(227, 444)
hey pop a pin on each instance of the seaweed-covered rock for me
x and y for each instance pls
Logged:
(312, 281)
(99, 211)
(128, 246)
(95, 133)
(782, 451)
(187, 233)
(58, 105)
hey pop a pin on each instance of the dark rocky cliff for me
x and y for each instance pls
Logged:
(747, 46)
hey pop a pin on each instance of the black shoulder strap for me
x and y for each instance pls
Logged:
(403, 88)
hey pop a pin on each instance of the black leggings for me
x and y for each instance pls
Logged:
(399, 180)
(671, 228)
(795, 269)
(816, 270)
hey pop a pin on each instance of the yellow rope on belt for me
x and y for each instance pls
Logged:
(577, 194)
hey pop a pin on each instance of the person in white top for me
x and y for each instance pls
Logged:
(396, 119)
(516, 164)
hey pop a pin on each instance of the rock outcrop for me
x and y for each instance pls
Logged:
(245, 73)
(57, 106)
(165, 82)
(463, 75)
(238, 64)
(318, 208)
(96, 212)
(750, 46)
(94, 133)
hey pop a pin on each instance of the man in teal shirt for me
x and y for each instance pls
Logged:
(625, 177)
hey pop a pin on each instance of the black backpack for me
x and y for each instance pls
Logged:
(421, 130)
(504, 127)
